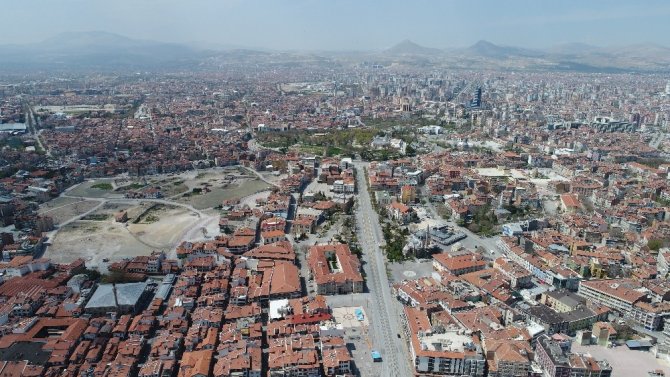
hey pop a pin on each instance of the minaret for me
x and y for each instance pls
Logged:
(116, 299)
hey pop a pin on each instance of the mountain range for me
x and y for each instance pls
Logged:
(102, 50)
(569, 56)
(408, 47)
(96, 50)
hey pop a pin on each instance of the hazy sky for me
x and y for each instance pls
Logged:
(345, 24)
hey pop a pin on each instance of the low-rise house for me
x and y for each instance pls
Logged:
(240, 358)
(272, 236)
(400, 212)
(458, 264)
(196, 364)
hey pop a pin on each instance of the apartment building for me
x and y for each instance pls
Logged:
(442, 353)
(619, 295)
(508, 358)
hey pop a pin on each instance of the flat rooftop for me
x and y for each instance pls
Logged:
(20, 351)
(454, 341)
(11, 127)
(493, 172)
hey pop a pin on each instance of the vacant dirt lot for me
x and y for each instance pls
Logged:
(63, 209)
(219, 193)
(113, 208)
(251, 199)
(151, 226)
(56, 203)
(217, 184)
(159, 228)
(94, 241)
(162, 227)
(169, 185)
(86, 189)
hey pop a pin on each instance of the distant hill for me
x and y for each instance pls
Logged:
(96, 40)
(489, 50)
(572, 49)
(642, 51)
(98, 50)
(642, 57)
(95, 50)
(408, 47)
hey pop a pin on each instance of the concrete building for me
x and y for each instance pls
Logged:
(604, 333)
(442, 353)
(335, 269)
(458, 264)
(508, 358)
(619, 295)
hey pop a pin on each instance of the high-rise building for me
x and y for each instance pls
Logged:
(635, 119)
(667, 88)
(477, 98)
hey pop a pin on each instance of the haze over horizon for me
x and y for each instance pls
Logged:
(344, 25)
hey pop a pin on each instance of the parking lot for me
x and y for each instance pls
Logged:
(625, 362)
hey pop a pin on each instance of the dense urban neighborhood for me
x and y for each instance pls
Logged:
(296, 217)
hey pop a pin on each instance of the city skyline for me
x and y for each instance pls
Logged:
(302, 25)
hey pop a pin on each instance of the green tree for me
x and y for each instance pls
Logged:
(116, 276)
(410, 151)
(655, 244)
(93, 275)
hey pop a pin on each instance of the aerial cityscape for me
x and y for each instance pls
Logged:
(289, 189)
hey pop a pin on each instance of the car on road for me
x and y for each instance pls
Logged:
(376, 356)
(398, 335)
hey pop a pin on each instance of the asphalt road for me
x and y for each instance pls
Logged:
(32, 123)
(386, 311)
(259, 175)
